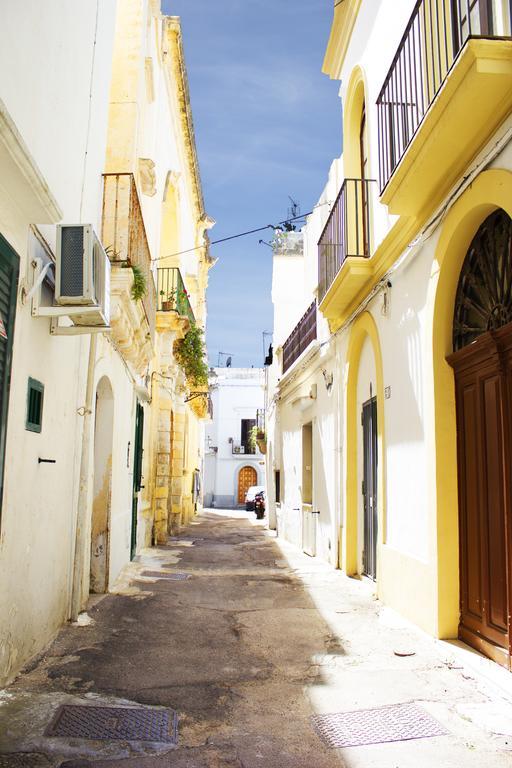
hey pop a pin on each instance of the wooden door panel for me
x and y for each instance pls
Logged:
(482, 423)
(470, 529)
(494, 511)
(247, 477)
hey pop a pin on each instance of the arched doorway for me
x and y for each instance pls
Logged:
(482, 364)
(363, 530)
(246, 477)
(102, 487)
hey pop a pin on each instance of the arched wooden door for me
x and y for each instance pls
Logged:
(482, 361)
(246, 477)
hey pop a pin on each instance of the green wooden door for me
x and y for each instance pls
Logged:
(9, 270)
(137, 473)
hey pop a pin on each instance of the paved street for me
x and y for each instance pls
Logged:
(257, 640)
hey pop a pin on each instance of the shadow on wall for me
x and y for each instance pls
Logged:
(102, 488)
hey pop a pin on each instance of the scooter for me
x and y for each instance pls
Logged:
(259, 506)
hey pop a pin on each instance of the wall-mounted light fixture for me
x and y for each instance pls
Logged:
(328, 379)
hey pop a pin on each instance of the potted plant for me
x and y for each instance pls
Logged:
(168, 302)
(261, 441)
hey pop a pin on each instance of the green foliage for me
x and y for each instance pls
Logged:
(190, 352)
(139, 286)
(252, 437)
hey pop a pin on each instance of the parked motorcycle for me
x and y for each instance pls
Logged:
(259, 505)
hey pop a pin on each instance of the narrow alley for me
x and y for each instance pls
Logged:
(248, 641)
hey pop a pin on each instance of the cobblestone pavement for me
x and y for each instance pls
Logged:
(249, 644)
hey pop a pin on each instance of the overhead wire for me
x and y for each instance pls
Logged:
(243, 234)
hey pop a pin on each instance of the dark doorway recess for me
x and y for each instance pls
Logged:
(369, 420)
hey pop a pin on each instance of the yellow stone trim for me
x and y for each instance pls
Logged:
(345, 14)
(364, 328)
(358, 276)
(179, 78)
(489, 191)
(355, 100)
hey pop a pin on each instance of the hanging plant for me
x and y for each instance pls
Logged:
(252, 437)
(190, 352)
(139, 286)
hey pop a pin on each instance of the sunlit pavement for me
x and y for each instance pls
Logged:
(254, 640)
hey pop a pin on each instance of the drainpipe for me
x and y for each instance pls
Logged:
(83, 492)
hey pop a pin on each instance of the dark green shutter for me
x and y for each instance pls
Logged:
(9, 270)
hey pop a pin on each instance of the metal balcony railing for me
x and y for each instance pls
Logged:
(260, 419)
(124, 234)
(300, 338)
(172, 294)
(347, 231)
(436, 33)
(243, 450)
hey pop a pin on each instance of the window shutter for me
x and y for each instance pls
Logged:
(9, 270)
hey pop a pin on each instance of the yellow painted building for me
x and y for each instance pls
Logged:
(151, 141)
(406, 373)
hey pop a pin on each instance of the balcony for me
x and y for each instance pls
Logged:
(344, 248)
(447, 91)
(300, 338)
(124, 237)
(243, 450)
(172, 294)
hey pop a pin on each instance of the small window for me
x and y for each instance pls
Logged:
(34, 405)
(277, 478)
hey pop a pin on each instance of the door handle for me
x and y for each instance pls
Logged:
(315, 512)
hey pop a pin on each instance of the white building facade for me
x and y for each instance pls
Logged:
(387, 418)
(94, 130)
(233, 460)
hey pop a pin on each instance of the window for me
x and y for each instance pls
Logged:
(9, 268)
(34, 406)
(277, 481)
(245, 435)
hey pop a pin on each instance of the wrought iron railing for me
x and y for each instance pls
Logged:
(172, 294)
(347, 231)
(243, 450)
(436, 33)
(124, 234)
(300, 338)
(260, 420)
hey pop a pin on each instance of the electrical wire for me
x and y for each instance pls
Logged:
(243, 234)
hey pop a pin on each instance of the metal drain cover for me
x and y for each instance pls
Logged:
(170, 576)
(399, 722)
(126, 723)
(23, 760)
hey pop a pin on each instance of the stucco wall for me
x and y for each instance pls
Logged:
(38, 514)
(237, 394)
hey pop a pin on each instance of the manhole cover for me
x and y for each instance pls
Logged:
(129, 724)
(23, 760)
(399, 722)
(170, 576)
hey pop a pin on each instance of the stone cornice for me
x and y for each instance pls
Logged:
(179, 79)
(21, 175)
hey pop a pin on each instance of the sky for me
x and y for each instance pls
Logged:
(268, 125)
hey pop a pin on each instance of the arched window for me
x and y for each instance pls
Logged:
(484, 293)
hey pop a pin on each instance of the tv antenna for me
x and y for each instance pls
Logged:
(227, 356)
(294, 209)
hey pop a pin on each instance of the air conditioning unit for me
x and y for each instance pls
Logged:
(82, 275)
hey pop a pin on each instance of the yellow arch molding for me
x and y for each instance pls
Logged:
(490, 190)
(363, 328)
(354, 102)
